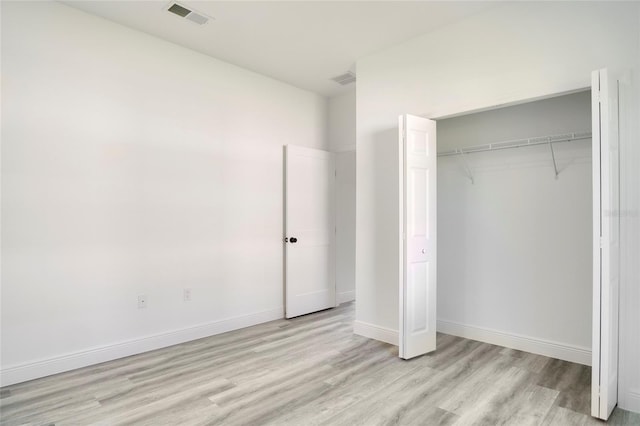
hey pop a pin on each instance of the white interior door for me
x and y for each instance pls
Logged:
(606, 243)
(417, 236)
(309, 231)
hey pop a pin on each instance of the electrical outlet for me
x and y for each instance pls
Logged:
(187, 295)
(142, 302)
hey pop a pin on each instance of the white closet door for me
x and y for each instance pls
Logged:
(418, 236)
(310, 283)
(606, 243)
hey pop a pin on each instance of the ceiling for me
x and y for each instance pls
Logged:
(303, 43)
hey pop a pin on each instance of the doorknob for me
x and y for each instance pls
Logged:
(293, 240)
(423, 251)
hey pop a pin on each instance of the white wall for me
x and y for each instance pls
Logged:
(132, 166)
(497, 57)
(342, 122)
(345, 226)
(342, 140)
(629, 385)
(514, 248)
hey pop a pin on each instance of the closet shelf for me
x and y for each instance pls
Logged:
(518, 143)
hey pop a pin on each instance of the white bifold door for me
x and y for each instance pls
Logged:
(417, 331)
(309, 231)
(606, 243)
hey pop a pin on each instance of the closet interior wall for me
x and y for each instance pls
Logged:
(514, 247)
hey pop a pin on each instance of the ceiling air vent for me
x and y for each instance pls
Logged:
(187, 13)
(344, 79)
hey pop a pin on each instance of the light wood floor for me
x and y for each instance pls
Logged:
(311, 370)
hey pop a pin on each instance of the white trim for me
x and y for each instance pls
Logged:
(72, 361)
(375, 332)
(346, 296)
(462, 110)
(577, 354)
(630, 400)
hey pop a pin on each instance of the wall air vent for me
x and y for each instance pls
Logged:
(187, 13)
(344, 79)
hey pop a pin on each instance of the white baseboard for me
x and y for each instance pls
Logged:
(59, 364)
(562, 351)
(630, 400)
(346, 296)
(375, 332)
(548, 348)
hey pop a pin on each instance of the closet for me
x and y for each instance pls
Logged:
(515, 226)
(528, 230)
(527, 218)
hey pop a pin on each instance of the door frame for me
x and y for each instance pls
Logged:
(461, 112)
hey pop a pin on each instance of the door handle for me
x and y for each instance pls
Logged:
(293, 240)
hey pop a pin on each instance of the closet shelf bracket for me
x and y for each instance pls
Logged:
(466, 166)
(553, 157)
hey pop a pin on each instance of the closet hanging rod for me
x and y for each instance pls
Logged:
(518, 143)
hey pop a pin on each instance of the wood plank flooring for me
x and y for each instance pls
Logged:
(311, 370)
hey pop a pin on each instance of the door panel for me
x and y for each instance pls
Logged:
(419, 297)
(309, 221)
(418, 236)
(606, 243)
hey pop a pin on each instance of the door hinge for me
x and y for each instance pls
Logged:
(601, 242)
